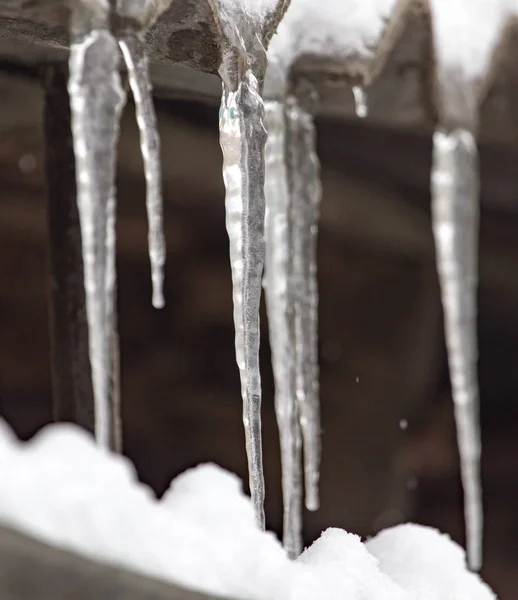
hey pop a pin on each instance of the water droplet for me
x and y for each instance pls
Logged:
(360, 102)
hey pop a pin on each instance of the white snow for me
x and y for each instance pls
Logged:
(64, 490)
(333, 28)
(466, 33)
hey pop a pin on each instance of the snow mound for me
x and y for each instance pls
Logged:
(62, 489)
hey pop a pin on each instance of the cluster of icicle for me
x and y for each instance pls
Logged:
(272, 204)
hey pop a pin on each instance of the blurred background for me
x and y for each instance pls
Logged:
(389, 446)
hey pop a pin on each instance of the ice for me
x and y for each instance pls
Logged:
(132, 43)
(135, 57)
(62, 489)
(259, 8)
(360, 102)
(280, 304)
(305, 189)
(455, 216)
(243, 139)
(96, 99)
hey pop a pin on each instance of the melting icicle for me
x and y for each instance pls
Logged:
(455, 212)
(133, 50)
(306, 193)
(243, 139)
(360, 102)
(132, 43)
(97, 98)
(280, 307)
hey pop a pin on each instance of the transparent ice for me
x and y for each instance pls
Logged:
(455, 214)
(280, 304)
(305, 189)
(133, 50)
(132, 44)
(360, 102)
(243, 139)
(97, 98)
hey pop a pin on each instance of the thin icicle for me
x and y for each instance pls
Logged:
(360, 102)
(306, 192)
(280, 306)
(243, 138)
(133, 51)
(97, 98)
(455, 212)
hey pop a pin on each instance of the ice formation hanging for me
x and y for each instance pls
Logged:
(455, 216)
(243, 139)
(464, 42)
(137, 17)
(280, 304)
(305, 190)
(96, 99)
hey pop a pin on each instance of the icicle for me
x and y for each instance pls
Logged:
(243, 138)
(97, 98)
(132, 44)
(455, 213)
(280, 307)
(360, 102)
(304, 174)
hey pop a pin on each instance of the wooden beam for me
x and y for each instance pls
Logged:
(184, 49)
(32, 570)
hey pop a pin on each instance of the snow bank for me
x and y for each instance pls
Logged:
(63, 490)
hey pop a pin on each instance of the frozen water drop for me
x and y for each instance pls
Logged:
(360, 102)
(455, 215)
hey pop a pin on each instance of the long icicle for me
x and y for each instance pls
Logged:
(280, 307)
(243, 139)
(96, 99)
(133, 51)
(455, 214)
(304, 176)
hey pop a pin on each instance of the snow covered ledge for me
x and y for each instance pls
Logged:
(184, 49)
(103, 530)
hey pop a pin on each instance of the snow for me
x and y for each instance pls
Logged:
(64, 490)
(466, 33)
(335, 28)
